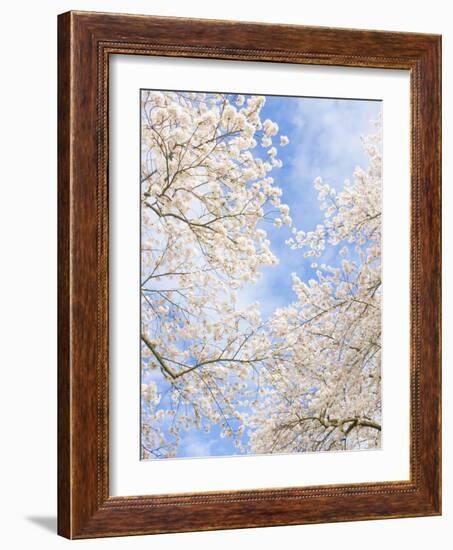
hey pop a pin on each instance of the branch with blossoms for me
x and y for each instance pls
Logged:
(327, 395)
(204, 196)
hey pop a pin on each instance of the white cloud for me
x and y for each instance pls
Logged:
(193, 447)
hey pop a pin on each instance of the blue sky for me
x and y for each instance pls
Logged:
(324, 140)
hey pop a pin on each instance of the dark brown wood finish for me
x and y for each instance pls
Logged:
(85, 42)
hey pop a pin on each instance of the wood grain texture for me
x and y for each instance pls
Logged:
(85, 42)
(64, 366)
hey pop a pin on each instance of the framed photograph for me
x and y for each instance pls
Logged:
(249, 275)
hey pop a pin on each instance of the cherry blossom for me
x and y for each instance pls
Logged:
(204, 191)
(307, 378)
(324, 390)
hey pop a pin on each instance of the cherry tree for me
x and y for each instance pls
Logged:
(205, 197)
(322, 390)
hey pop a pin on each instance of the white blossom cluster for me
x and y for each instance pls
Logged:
(324, 392)
(204, 192)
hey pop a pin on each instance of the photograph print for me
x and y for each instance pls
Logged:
(261, 278)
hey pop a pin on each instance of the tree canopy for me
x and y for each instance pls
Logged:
(307, 377)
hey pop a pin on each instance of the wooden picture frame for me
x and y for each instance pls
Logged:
(85, 41)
